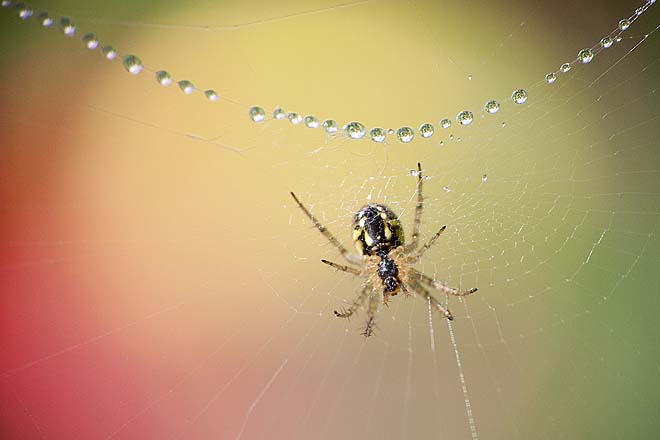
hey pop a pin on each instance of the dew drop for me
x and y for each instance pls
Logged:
(426, 130)
(45, 20)
(330, 126)
(519, 96)
(484, 178)
(469, 77)
(503, 124)
(405, 134)
(565, 67)
(257, 114)
(186, 86)
(109, 52)
(279, 113)
(446, 189)
(445, 123)
(492, 107)
(390, 131)
(639, 11)
(67, 27)
(132, 64)
(211, 95)
(451, 137)
(550, 78)
(377, 134)
(624, 24)
(294, 118)
(585, 55)
(355, 130)
(618, 39)
(606, 42)
(24, 11)
(465, 117)
(90, 41)
(442, 143)
(311, 121)
(458, 139)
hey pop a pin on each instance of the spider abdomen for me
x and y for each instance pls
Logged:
(376, 230)
(388, 272)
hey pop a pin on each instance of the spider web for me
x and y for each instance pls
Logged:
(159, 282)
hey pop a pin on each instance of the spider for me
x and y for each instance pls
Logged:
(384, 260)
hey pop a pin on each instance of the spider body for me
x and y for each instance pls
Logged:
(376, 230)
(384, 258)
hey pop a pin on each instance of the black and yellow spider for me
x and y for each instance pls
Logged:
(384, 260)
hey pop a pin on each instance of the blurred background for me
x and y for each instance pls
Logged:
(157, 280)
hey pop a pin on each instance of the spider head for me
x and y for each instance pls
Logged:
(376, 230)
(391, 284)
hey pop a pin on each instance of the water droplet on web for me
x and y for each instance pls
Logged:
(67, 27)
(469, 77)
(391, 131)
(585, 55)
(565, 67)
(355, 130)
(618, 38)
(377, 134)
(550, 78)
(294, 118)
(465, 117)
(624, 24)
(606, 42)
(311, 121)
(458, 139)
(451, 137)
(519, 96)
(186, 86)
(639, 11)
(445, 123)
(330, 126)
(211, 95)
(90, 41)
(132, 64)
(45, 20)
(24, 11)
(503, 124)
(109, 52)
(492, 107)
(257, 114)
(279, 113)
(442, 143)
(414, 173)
(426, 130)
(405, 134)
(446, 189)
(484, 178)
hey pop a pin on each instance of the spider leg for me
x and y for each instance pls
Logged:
(439, 286)
(420, 290)
(345, 313)
(342, 268)
(371, 312)
(417, 255)
(418, 210)
(327, 234)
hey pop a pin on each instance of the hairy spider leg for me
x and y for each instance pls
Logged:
(345, 313)
(417, 255)
(327, 234)
(418, 211)
(371, 312)
(439, 286)
(420, 290)
(341, 267)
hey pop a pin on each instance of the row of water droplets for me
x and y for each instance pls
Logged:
(352, 130)
(406, 134)
(132, 63)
